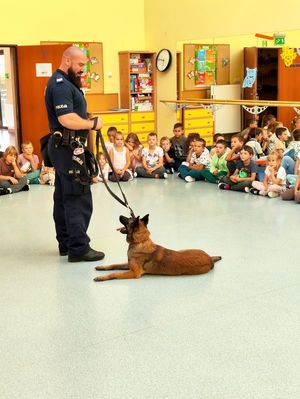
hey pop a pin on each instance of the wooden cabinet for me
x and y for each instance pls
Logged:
(140, 123)
(198, 120)
(138, 90)
(120, 120)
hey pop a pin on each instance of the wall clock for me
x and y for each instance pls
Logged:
(163, 60)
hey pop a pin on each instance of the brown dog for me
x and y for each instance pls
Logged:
(145, 257)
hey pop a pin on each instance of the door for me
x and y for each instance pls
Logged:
(288, 88)
(33, 115)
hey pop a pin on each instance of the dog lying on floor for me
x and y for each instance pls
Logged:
(145, 257)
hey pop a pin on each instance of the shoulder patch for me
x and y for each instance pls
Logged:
(59, 80)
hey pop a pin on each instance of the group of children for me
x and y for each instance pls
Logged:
(17, 171)
(235, 168)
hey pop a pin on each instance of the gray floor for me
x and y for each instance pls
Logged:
(233, 333)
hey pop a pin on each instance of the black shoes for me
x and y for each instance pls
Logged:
(90, 256)
(5, 191)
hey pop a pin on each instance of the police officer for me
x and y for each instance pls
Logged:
(69, 124)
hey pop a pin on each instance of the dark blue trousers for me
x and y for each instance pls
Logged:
(73, 204)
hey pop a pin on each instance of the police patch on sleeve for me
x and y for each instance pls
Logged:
(59, 80)
(61, 106)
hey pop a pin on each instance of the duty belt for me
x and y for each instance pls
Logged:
(66, 137)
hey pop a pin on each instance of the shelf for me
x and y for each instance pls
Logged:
(140, 73)
(141, 92)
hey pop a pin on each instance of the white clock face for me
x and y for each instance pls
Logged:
(163, 60)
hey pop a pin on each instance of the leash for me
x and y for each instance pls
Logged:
(124, 202)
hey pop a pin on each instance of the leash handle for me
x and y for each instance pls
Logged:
(124, 202)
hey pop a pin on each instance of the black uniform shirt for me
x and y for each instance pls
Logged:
(63, 97)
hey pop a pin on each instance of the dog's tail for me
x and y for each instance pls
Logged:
(216, 258)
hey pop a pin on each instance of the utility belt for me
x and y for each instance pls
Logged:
(65, 137)
(84, 164)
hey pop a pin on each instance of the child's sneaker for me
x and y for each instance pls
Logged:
(189, 179)
(135, 174)
(254, 191)
(4, 191)
(25, 188)
(247, 189)
(224, 186)
(273, 194)
(166, 175)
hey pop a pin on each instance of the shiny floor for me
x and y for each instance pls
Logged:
(230, 334)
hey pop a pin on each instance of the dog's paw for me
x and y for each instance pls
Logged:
(98, 278)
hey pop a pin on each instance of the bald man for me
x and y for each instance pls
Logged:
(67, 114)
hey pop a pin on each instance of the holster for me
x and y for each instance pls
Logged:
(44, 149)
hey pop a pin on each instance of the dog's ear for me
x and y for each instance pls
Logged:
(145, 219)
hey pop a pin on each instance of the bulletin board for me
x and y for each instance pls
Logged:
(205, 64)
(93, 79)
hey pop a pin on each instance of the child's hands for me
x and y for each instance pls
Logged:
(234, 178)
(29, 157)
(12, 180)
(215, 172)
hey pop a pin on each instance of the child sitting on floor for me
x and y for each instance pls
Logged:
(200, 159)
(179, 144)
(244, 174)
(275, 178)
(294, 146)
(12, 180)
(190, 139)
(135, 148)
(218, 165)
(120, 159)
(152, 160)
(216, 137)
(169, 154)
(255, 138)
(293, 182)
(272, 136)
(28, 163)
(47, 175)
(251, 124)
(111, 133)
(283, 134)
(233, 155)
(104, 167)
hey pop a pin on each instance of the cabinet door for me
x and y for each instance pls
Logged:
(288, 88)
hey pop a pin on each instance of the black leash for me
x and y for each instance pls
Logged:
(124, 202)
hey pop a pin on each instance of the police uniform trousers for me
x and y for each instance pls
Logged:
(73, 204)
